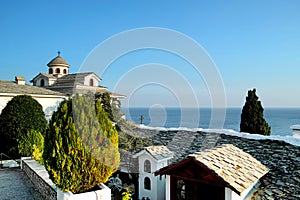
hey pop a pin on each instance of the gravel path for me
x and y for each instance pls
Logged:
(14, 184)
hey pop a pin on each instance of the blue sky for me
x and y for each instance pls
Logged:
(254, 44)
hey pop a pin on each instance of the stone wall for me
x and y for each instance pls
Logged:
(40, 178)
(42, 186)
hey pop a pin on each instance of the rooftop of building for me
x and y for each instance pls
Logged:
(11, 87)
(58, 61)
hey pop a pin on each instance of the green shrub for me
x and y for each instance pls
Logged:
(126, 195)
(21, 115)
(31, 144)
(82, 145)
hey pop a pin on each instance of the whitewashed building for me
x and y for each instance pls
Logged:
(60, 80)
(151, 159)
(47, 98)
(49, 89)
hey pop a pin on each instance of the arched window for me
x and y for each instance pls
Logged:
(50, 71)
(57, 70)
(91, 82)
(147, 166)
(42, 83)
(147, 183)
(65, 71)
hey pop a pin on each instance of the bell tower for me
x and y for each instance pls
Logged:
(58, 66)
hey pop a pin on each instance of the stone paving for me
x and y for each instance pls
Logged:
(14, 184)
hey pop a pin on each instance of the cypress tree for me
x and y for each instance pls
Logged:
(22, 114)
(252, 117)
(106, 104)
(82, 145)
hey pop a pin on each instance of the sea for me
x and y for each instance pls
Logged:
(280, 119)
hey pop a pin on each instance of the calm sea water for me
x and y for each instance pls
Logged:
(280, 119)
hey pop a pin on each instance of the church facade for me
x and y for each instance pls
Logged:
(49, 89)
(59, 79)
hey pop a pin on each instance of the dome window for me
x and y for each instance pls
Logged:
(50, 71)
(65, 71)
(57, 70)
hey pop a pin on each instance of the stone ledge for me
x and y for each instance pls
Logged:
(40, 178)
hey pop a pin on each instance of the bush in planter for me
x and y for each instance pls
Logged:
(82, 145)
(20, 115)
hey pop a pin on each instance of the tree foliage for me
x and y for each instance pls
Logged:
(21, 115)
(82, 145)
(252, 118)
(31, 144)
(126, 194)
(129, 141)
(106, 104)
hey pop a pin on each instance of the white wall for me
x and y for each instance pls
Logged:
(231, 195)
(168, 187)
(161, 185)
(152, 194)
(38, 81)
(3, 102)
(49, 103)
(91, 76)
(158, 184)
(103, 194)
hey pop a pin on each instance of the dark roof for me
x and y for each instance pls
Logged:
(78, 76)
(71, 80)
(281, 158)
(50, 76)
(58, 61)
(13, 88)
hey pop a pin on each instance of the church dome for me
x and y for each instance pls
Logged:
(58, 61)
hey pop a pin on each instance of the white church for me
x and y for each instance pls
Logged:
(49, 89)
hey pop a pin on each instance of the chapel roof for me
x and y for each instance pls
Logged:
(58, 61)
(158, 152)
(238, 169)
(233, 165)
(50, 76)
